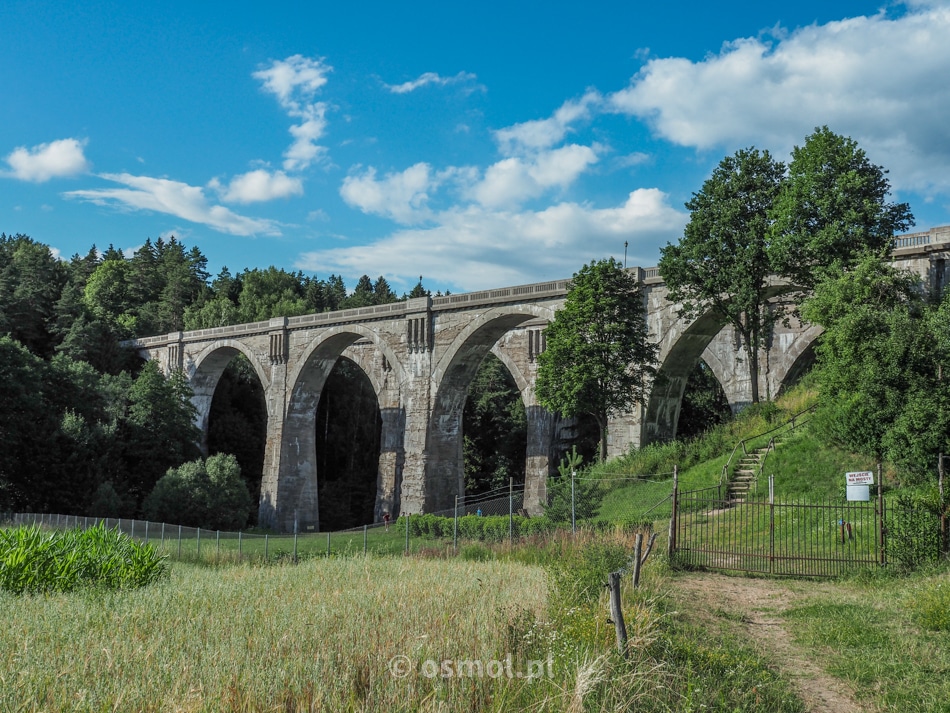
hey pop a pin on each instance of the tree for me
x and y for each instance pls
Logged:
(201, 493)
(598, 359)
(832, 208)
(722, 264)
(880, 366)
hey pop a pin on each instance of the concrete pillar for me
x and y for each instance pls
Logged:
(540, 452)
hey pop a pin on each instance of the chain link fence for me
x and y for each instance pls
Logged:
(498, 516)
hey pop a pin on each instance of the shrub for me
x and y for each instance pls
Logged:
(913, 537)
(35, 561)
(210, 494)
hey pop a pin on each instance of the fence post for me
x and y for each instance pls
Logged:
(674, 506)
(179, 542)
(295, 545)
(163, 535)
(637, 563)
(511, 511)
(771, 523)
(146, 532)
(365, 530)
(616, 613)
(240, 546)
(132, 531)
(198, 542)
(408, 517)
(265, 547)
(217, 543)
(455, 527)
(328, 543)
(880, 526)
(573, 510)
(943, 507)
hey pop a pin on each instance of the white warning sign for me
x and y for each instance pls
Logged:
(862, 477)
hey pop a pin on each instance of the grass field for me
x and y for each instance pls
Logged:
(879, 635)
(374, 633)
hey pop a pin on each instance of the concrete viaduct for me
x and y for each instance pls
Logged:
(421, 355)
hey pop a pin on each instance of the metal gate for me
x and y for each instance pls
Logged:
(782, 538)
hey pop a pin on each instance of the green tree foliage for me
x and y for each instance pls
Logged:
(721, 264)
(881, 362)
(598, 359)
(832, 208)
(495, 429)
(201, 493)
(157, 405)
(31, 280)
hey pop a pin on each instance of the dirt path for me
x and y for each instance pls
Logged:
(752, 608)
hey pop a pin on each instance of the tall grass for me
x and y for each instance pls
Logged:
(34, 560)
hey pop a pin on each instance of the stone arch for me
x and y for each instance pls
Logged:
(800, 356)
(452, 376)
(347, 335)
(204, 371)
(295, 503)
(666, 396)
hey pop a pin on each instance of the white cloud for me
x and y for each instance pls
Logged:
(305, 150)
(295, 82)
(473, 248)
(45, 161)
(399, 196)
(294, 78)
(173, 198)
(259, 185)
(881, 80)
(429, 78)
(511, 181)
(544, 133)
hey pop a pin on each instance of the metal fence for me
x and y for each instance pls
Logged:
(773, 537)
(498, 516)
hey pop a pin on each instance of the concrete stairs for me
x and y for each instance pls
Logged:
(745, 473)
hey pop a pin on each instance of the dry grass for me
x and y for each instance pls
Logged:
(318, 636)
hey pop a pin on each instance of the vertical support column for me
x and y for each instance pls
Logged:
(392, 460)
(541, 425)
(289, 484)
(417, 395)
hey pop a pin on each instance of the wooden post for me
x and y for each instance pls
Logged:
(616, 613)
(641, 560)
(637, 556)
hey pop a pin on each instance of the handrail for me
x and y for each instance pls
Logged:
(725, 468)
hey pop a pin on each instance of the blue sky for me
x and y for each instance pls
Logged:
(481, 145)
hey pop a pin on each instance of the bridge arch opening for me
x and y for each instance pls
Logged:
(494, 428)
(228, 393)
(291, 493)
(237, 424)
(666, 397)
(704, 403)
(504, 331)
(348, 429)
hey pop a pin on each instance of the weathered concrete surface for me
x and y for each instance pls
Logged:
(421, 356)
